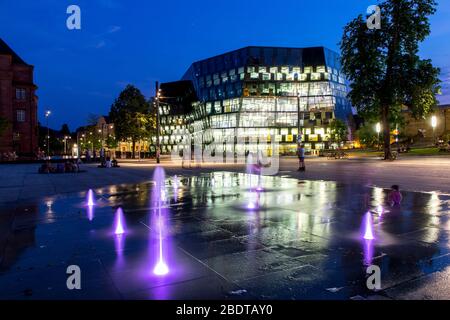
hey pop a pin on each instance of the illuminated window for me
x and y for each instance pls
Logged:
(320, 69)
(315, 76)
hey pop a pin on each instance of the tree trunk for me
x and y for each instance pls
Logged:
(133, 146)
(386, 132)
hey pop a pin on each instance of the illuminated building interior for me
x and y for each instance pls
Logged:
(264, 92)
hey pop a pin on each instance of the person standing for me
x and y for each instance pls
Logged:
(301, 157)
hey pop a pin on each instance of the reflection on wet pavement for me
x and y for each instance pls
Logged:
(218, 234)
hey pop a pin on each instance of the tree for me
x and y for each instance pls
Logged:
(338, 130)
(65, 131)
(92, 141)
(111, 142)
(366, 135)
(383, 65)
(130, 114)
(3, 125)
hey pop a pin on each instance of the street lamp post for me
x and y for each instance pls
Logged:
(434, 125)
(158, 150)
(299, 129)
(378, 129)
(47, 114)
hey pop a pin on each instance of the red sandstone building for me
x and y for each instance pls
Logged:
(18, 104)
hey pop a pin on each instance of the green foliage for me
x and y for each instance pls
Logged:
(111, 142)
(92, 139)
(384, 67)
(65, 131)
(339, 131)
(4, 124)
(131, 116)
(367, 135)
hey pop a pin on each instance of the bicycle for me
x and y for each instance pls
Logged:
(341, 155)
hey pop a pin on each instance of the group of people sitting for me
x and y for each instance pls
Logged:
(8, 156)
(70, 166)
(108, 163)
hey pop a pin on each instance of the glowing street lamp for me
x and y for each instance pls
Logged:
(47, 114)
(378, 129)
(434, 125)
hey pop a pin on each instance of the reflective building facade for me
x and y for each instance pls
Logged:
(257, 91)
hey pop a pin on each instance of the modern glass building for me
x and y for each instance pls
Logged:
(266, 92)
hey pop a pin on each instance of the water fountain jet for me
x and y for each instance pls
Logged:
(368, 227)
(158, 198)
(119, 228)
(90, 198)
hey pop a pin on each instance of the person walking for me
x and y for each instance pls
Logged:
(301, 157)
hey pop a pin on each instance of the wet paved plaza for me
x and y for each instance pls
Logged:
(227, 236)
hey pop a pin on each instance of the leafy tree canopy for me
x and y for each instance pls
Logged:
(131, 115)
(338, 130)
(384, 67)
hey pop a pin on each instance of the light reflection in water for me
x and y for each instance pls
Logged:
(368, 251)
(434, 203)
(90, 212)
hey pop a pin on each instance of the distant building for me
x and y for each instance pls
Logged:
(267, 92)
(18, 104)
(94, 137)
(424, 127)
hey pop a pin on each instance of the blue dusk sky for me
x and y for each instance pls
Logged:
(80, 72)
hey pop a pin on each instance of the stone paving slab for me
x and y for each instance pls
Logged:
(300, 241)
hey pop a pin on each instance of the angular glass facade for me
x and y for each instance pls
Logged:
(259, 91)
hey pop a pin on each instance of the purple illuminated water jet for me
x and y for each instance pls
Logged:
(161, 269)
(90, 198)
(158, 198)
(368, 229)
(119, 224)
